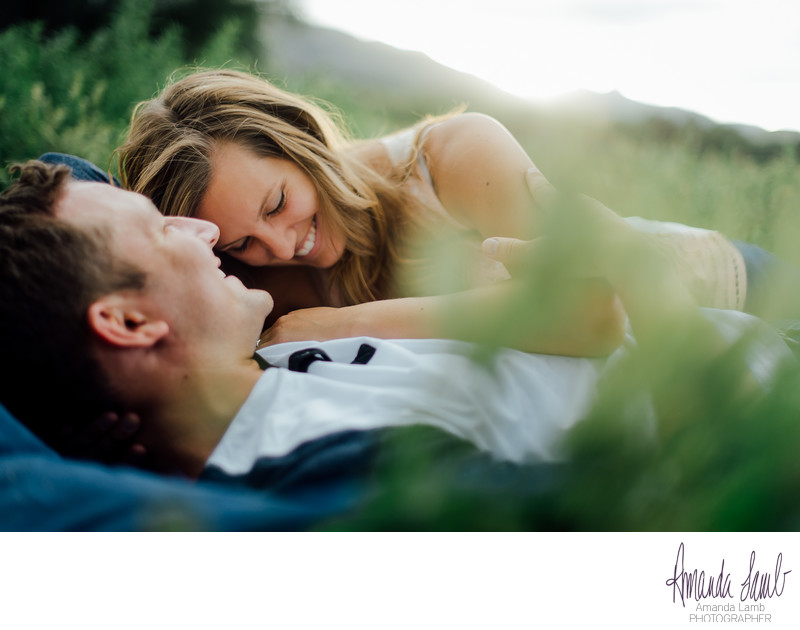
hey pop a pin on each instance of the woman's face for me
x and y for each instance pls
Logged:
(267, 211)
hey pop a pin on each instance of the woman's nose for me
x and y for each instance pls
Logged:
(204, 230)
(279, 243)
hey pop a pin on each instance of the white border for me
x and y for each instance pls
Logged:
(379, 580)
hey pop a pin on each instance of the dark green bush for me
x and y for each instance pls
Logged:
(63, 93)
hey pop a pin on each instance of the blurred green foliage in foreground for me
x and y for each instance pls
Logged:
(720, 459)
(725, 458)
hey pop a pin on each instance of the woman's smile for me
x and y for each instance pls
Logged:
(310, 240)
(268, 211)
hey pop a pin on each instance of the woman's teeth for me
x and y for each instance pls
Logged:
(308, 245)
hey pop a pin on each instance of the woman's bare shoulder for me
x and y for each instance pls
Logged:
(477, 168)
(470, 143)
(460, 127)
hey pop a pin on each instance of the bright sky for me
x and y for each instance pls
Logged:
(732, 60)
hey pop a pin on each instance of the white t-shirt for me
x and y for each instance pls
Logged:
(517, 406)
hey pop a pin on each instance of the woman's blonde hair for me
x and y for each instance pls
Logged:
(172, 138)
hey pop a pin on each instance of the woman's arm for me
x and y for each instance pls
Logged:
(680, 350)
(586, 237)
(478, 171)
(591, 325)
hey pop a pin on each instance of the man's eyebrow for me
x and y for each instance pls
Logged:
(153, 222)
(156, 219)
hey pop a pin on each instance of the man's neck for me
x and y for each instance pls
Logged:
(188, 422)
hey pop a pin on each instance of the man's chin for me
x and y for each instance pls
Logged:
(267, 302)
(259, 301)
(259, 307)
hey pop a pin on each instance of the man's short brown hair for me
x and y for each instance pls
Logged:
(50, 273)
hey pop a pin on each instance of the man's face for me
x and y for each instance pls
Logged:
(185, 285)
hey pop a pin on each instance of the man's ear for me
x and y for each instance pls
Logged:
(119, 320)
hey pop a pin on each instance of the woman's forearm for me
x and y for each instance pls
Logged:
(584, 319)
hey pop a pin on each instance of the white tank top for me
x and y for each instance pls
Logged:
(400, 147)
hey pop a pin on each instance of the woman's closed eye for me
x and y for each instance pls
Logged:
(247, 241)
(238, 249)
(278, 208)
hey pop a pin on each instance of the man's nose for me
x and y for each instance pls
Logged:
(204, 230)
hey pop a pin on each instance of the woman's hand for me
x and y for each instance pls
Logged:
(516, 254)
(573, 269)
(305, 324)
(582, 238)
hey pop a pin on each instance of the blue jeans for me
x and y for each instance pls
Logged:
(82, 170)
(768, 276)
